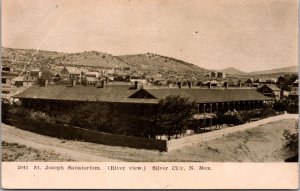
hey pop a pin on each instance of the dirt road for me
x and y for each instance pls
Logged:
(256, 144)
(69, 149)
(204, 137)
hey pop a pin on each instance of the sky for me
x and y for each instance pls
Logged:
(249, 35)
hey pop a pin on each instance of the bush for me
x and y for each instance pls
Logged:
(62, 119)
(289, 105)
(41, 116)
(21, 112)
(230, 119)
(290, 141)
(268, 112)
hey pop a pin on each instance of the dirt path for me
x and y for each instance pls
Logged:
(260, 143)
(40, 142)
(195, 139)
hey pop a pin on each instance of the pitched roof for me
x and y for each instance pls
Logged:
(114, 93)
(272, 87)
(125, 93)
(209, 95)
(74, 70)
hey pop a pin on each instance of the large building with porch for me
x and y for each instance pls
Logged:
(140, 101)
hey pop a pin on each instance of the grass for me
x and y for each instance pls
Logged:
(16, 152)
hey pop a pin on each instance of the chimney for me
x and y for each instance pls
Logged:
(179, 84)
(209, 85)
(189, 84)
(136, 85)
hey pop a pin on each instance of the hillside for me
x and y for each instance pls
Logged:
(157, 64)
(232, 70)
(19, 57)
(141, 64)
(289, 69)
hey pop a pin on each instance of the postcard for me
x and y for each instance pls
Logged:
(140, 94)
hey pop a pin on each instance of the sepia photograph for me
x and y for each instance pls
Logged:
(202, 81)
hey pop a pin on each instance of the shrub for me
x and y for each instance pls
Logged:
(21, 112)
(41, 116)
(268, 112)
(290, 140)
(62, 119)
(289, 105)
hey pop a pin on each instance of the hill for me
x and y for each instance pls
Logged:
(19, 57)
(156, 64)
(289, 69)
(140, 64)
(232, 70)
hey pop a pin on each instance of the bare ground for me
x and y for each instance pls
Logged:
(259, 144)
(22, 153)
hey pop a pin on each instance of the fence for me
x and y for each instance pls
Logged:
(76, 133)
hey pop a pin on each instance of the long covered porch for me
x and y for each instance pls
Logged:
(221, 107)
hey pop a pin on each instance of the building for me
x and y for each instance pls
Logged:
(141, 102)
(221, 75)
(141, 81)
(213, 83)
(5, 80)
(92, 77)
(270, 90)
(294, 89)
(35, 73)
(23, 81)
(209, 99)
(7, 69)
(72, 72)
(214, 74)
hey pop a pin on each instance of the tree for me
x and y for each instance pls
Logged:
(175, 114)
(91, 116)
(46, 75)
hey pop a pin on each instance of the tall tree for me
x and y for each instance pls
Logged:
(175, 114)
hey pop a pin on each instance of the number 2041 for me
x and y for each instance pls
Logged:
(22, 167)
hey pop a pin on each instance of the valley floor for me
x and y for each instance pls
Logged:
(260, 144)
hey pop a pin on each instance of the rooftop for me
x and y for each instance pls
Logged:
(127, 94)
(272, 87)
(208, 95)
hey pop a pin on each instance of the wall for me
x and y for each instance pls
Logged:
(75, 133)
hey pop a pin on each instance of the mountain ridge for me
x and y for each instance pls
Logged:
(145, 64)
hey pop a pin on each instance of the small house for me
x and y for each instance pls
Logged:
(271, 90)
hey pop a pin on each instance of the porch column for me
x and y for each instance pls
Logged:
(210, 108)
(222, 107)
(217, 107)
